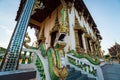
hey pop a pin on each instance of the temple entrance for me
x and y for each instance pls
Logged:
(53, 37)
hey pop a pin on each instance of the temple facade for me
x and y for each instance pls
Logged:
(82, 33)
(67, 46)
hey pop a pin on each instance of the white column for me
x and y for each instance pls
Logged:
(90, 45)
(84, 43)
(71, 25)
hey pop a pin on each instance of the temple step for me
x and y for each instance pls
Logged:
(76, 75)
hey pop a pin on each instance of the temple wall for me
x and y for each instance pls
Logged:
(49, 23)
(71, 25)
(85, 24)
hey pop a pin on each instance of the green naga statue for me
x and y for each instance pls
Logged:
(60, 68)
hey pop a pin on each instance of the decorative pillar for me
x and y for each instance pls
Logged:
(42, 36)
(77, 28)
(93, 46)
(16, 42)
(84, 42)
(91, 52)
(77, 41)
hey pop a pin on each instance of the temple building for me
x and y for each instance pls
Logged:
(82, 32)
(67, 46)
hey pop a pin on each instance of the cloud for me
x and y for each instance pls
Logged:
(6, 30)
(3, 44)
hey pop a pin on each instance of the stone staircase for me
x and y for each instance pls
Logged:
(111, 71)
(76, 75)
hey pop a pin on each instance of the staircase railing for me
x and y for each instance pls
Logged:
(40, 60)
(85, 66)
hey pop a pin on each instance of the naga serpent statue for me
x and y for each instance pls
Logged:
(56, 62)
(56, 57)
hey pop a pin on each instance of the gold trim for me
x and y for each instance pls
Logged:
(56, 27)
(76, 35)
(42, 37)
(86, 44)
(36, 6)
(87, 36)
(26, 41)
(66, 22)
(63, 29)
(76, 40)
(61, 73)
(77, 27)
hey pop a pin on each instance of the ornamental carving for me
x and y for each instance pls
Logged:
(37, 5)
(56, 27)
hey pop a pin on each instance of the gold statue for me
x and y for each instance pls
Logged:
(61, 73)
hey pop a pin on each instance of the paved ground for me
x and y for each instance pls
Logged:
(111, 71)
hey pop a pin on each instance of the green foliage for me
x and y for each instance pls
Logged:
(1, 58)
(2, 50)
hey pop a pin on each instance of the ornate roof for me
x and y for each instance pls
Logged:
(40, 14)
(51, 5)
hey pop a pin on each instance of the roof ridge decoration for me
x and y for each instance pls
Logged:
(65, 22)
(77, 25)
(57, 25)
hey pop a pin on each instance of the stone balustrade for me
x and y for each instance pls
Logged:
(85, 66)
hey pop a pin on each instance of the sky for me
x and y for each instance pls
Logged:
(106, 14)
(8, 11)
